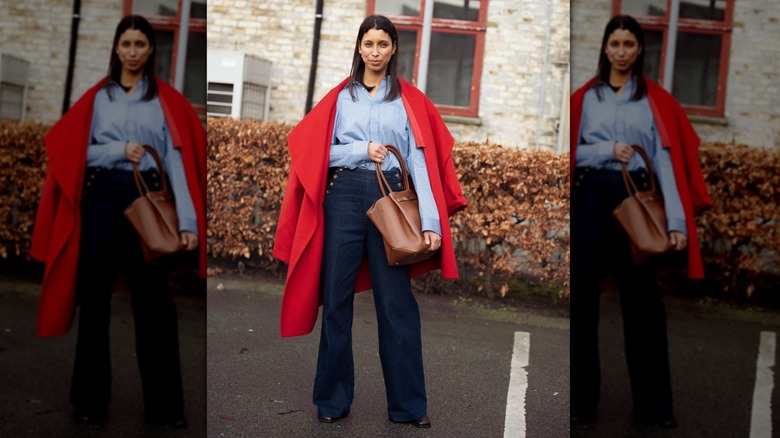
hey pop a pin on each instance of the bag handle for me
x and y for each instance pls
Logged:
(627, 176)
(139, 180)
(380, 177)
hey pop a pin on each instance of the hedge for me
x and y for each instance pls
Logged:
(516, 224)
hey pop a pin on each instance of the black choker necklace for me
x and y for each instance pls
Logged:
(126, 88)
(614, 88)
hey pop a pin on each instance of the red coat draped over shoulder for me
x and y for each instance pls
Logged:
(57, 234)
(300, 230)
(677, 135)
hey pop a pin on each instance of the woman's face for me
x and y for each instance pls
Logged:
(622, 50)
(133, 49)
(376, 49)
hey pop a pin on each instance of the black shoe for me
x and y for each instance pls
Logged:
(423, 422)
(665, 421)
(89, 415)
(174, 421)
(581, 417)
(331, 419)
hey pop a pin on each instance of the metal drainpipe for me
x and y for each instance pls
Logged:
(315, 52)
(543, 83)
(74, 37)
(563, 120)
(425, 47)
(671, 46)
(181, 53)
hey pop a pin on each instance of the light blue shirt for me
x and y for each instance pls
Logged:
(376, 119)
(618, 118)
(130, 118)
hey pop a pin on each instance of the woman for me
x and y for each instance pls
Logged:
(332, 247)
(618, 108)
(84, 239)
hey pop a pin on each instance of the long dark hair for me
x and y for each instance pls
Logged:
(139, 23)
(628, 23)
(358, 66)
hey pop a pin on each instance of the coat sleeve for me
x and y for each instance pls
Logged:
(288, 217)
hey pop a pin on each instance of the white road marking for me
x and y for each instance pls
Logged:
(514, 423)
(761, 416)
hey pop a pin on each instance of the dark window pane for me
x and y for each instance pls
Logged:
(156, 7)
(198, 9)
(653, 49)
(195, 70)
(456, 9)
(451, 68)
(410, 8)
(713, 10)
(644, 7)
(696, 68)
(11, 97)
(164, 51)
(407, 45)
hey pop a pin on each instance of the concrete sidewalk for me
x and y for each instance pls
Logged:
(35, 372)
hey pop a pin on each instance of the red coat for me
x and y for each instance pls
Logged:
(679, 137)
(300, 232)
(57, 233)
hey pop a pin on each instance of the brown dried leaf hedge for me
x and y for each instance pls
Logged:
(22, 172)
(516, 223)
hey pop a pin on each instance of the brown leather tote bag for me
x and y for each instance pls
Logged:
(153, 215)
(397, 216)
(643, 216)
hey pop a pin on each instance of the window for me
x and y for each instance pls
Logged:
(456, 47)
(700, 63)
(167, 20)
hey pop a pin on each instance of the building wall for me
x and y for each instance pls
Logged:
(753, 83)
(39, 31)
(282, 32)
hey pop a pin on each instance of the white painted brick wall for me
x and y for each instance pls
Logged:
(282, 32)
(753, 81)
(39, 31)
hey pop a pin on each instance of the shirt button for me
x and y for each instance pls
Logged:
(331, 184)
(399, 184)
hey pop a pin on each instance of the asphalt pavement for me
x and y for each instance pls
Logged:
(713, 352)
(260, 385)
(35, 372)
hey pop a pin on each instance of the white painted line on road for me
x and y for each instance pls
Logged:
(514, 424)
(761, 417)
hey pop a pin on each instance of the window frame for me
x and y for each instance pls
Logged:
(477, 28)
(171, 24)
(693, 26)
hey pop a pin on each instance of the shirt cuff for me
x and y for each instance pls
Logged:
(360, 151)
(677, 224)
(188, 224)
(431, 224)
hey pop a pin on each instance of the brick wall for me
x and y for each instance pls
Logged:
(753, 83)
(282, 32)
(39, 31)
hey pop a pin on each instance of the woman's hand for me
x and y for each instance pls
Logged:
(623, 152)
(376, 152)
(189, 240)
(433, 241)
(678, 240)
(134, 152)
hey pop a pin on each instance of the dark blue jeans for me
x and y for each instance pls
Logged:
(600, 246)
(349, 237)
(110, 245)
